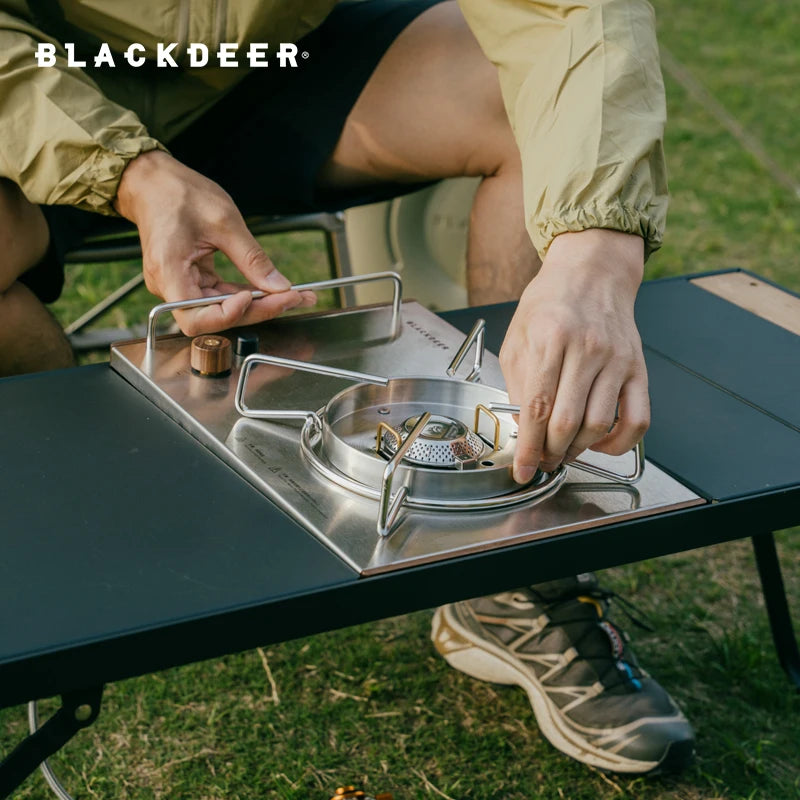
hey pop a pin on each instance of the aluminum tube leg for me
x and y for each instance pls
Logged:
(79, 709)
(780, 621)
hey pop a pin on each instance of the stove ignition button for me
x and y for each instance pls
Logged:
(211, 355)
(246, 343)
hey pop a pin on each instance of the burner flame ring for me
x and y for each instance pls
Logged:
(444, 442)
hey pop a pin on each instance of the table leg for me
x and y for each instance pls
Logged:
(780, 621)
(78, 710)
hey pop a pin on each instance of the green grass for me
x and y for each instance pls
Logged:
(373, 704)
(726, 209)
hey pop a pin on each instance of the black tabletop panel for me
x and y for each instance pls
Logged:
(115, 519)
(725, 344)
(712, 441)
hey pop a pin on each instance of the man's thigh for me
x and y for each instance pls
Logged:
(431, 109)
(267, 141)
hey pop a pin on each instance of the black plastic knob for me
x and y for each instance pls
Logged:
(246, 343)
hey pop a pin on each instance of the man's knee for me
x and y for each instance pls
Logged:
(495, 150)
(432, 109)
(30, 338)
(479, 131)
(23, 234)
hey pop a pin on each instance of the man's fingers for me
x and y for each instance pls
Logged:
(240, 309)
(216, 317)
(293, 299)
(309, 299)
(568, 419)
(275, 304)
(199, 279)
(536, 406)
(599, 415)
(241, 247)
(634, 418)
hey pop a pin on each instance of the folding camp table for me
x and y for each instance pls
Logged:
(128, 547)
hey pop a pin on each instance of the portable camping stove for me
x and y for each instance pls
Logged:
(387, 471)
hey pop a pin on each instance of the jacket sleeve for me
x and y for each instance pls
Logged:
(61, 140)
(582, 87)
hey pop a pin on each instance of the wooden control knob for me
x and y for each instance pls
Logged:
(211, 355)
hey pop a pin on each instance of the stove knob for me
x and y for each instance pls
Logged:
(211, 355)
(246, 343)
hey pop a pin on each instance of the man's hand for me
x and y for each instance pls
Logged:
(183, 218)
(572, 353)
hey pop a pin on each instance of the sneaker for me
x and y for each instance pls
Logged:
(591, 699)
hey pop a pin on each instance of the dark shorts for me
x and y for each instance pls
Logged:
(266, 141)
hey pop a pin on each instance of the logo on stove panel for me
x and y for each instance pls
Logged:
(434, 340)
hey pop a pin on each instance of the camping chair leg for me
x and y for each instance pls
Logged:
(339, 259)
(780, 621)
(98, 310)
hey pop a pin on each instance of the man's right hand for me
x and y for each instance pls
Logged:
(183, 219)
(572, 355)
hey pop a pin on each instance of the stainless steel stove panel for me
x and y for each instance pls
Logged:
(268, 453)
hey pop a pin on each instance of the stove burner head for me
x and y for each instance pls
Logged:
(444, 442)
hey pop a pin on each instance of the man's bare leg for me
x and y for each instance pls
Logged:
(433, 109)
(30, 339)
(501, 259)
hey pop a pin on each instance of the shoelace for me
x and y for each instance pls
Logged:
(626, 606)
(622, 673)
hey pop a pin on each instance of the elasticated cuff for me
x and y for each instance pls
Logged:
(618, 218)
(95, 186)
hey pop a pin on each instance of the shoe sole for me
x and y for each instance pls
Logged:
(481, 659)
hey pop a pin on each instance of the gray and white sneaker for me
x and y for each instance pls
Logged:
(591, 699)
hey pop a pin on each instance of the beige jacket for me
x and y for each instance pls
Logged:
(580, 80)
